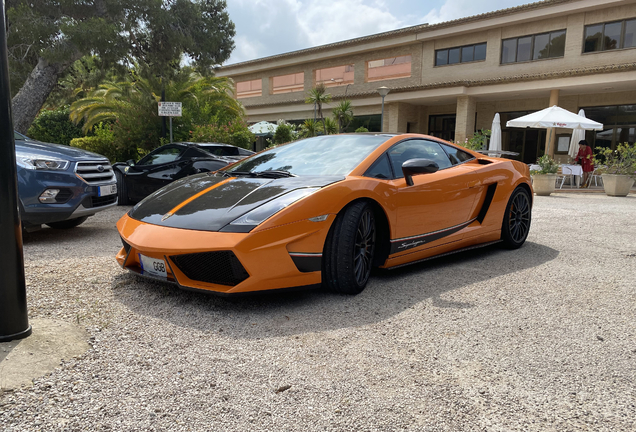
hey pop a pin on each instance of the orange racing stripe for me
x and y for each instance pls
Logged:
(193, 197)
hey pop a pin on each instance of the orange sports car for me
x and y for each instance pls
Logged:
(326, 210)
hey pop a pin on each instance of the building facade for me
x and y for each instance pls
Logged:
(449, 79)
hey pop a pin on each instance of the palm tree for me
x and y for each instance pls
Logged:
(331, 127)
(344, 113)
(319, 96)
(308, 129)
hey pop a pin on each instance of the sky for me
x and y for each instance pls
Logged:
(270, 27)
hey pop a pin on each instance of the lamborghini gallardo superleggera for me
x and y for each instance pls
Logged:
(326, 210)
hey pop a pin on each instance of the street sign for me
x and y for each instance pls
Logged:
(170, 109)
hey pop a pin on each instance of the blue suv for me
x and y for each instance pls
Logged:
(61, 186)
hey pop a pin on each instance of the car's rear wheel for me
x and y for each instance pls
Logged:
(349, 250)
(122, 190)
(71, 223)
(516, 223)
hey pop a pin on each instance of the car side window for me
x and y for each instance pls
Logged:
(161, 156)
(456, 155)
(417, 149)
(380, 169)
(243, 152)
(193, 152)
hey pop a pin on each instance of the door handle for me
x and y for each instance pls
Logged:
(474, 183)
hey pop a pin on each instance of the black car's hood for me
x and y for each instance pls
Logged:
(56, 150)
(208, 202)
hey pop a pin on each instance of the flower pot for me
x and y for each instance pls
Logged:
(617, 185)
(544, 184)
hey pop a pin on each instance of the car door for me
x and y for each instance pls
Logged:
(437, 207)
(154, 171)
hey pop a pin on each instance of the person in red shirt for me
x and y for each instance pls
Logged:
(585, 158)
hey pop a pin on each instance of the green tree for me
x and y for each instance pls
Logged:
(319, 96)
(45, 37)
(343, 112)
(131, 107)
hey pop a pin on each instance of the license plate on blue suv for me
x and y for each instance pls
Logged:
(107, 190)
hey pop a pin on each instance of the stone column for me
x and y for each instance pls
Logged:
(549, 149)
(465, 122)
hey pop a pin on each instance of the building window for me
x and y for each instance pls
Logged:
(533, 47)
(249, 88)
(288, 83)
(335, 76)
(389, 68)
(609, 36)
(465, 54)
(619, 125)
(442, 126)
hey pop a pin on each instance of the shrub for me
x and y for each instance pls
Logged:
(235, 133)
(621, 161)
(362, 129)
(547, 164)
(55, 126)
(103, 143)
(284, 133)
(477, 141)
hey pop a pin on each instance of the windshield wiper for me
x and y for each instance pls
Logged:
(273, 173)
(265, 174)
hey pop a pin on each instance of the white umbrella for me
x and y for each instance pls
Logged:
(495, 136)
(554, 117)
(263, 128)
(577, 135)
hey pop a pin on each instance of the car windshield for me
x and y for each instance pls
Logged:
(323, 155)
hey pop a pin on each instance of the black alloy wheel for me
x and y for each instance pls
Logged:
(516, 223)
(349, 250)
(122, 190)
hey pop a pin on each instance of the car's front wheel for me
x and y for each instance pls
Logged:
(71, 223)
(349, 250)
(516, 223)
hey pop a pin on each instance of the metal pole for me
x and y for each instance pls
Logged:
(14, 322)
(382, 118)
(170, 128)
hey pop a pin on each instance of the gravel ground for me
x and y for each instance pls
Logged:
(539, 339)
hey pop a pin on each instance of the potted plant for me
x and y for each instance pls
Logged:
(544, 180)
(617, 168)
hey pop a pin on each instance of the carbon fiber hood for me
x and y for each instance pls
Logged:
(208, 202)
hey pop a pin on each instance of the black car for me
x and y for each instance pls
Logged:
(137, 180)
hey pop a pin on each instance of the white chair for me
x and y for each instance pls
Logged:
(562, 174)
(596, 178)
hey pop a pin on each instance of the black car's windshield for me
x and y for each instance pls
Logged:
(323, 155)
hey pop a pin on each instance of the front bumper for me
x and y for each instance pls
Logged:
(264, 260)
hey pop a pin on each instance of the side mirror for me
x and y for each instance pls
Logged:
(414, 167)
(130, 162)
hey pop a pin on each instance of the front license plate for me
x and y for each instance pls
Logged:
(152, 266)
(107, 190)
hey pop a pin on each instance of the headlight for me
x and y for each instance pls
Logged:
(40, 162)
(269, 209)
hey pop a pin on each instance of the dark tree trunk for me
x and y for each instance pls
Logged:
(29, 100)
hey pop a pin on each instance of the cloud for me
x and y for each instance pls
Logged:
(269, 27)
(454, 9)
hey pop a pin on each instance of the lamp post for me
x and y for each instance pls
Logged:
(346, 88)
(14, 322)
(383, 92)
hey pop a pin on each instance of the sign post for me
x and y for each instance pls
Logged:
(14, 322)
(170, 109)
